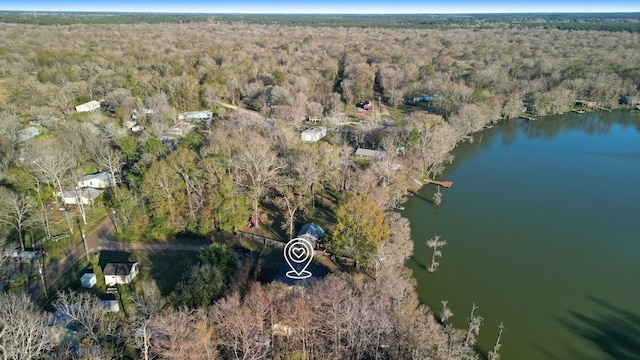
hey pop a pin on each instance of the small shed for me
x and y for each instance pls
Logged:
(110, 305)
(88, 107)
(120, 273)
(88, 280)
(313, 134)
(101, 180)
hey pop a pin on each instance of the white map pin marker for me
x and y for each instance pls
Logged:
(298, 253)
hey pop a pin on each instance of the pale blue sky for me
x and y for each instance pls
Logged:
(326, 7)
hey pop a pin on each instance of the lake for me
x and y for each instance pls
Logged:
(543, 232)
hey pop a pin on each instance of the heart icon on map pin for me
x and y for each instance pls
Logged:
(298, 253)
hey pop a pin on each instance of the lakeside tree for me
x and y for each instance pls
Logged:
(494, 354)
(446, 312)
(435, 243)
(360, 228)
(437, 197)
(473, 329)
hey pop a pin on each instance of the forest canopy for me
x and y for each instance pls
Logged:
(196, 124)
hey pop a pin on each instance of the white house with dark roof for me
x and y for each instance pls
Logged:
(119, 273)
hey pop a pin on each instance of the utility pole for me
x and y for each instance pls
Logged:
(44, 285)
(84, 241)
(114, 218)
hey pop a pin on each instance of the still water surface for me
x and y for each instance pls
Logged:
(543, 226)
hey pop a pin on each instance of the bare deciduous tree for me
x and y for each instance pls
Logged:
(493, 354)
(435, 243)
(109, 159)
(23, 330)
(49, 162)
(16, 211)
(257, 168)
(474, 327)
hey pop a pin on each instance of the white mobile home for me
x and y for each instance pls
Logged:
(88, 107)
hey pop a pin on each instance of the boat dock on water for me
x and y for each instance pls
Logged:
(446, 184)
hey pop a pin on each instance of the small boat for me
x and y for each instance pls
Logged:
(398, 207)
(579, 111)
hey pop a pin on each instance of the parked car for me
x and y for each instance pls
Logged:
(366, 105)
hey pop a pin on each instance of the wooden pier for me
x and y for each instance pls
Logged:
(446, 184)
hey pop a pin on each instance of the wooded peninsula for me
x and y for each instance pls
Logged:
(185, 129)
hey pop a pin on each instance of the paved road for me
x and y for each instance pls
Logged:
(107, 244)
(99, 240)
(54, 271)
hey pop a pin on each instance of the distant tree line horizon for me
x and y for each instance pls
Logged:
(614, 22)
(261, 82)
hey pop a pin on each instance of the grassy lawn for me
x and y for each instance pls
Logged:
(58, 249)
(165, 268)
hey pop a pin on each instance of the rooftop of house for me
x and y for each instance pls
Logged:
(87, 192)
(314, 130)
(98, 176)
(118, 268)
(370, 153)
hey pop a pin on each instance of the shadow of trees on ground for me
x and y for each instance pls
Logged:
(612, 329)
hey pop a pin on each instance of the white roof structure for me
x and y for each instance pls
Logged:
(88, 280)
(311, 229)
(370, 153)
(86, 195)
(88, 107)
(313, 134)
(312, 233)
(100, 180)
(180, 129)
(195, 115)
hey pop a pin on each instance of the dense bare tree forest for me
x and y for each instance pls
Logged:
(263, 84)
